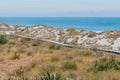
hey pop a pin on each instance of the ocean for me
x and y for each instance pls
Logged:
(87, 23)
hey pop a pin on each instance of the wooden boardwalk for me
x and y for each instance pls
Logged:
(68, 45)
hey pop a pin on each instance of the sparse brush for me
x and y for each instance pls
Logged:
(55, 59)
(55, 47)
(8, 50)
(105, 65)
(71, 75)
(46, 51)
(58, 47)
(69, 57)
(50, 68)
(85, 52)
(20, 74)
(24, 40)
(71, 31)
(15, 56)
(3, 39)
(70, 65)
(20, 71)
(30, 52)
(21, 50)
(10, 78)
(112, 34)
(47, 75)
(91, 34)
(52, 47)
(33, 63)
(11, 42)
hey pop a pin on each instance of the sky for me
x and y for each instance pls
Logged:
(59, 8)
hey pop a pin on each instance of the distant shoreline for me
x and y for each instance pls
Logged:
(87, 23)
(97, 31)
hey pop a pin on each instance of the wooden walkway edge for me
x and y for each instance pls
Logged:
(68, 45)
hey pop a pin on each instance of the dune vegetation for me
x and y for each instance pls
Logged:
(25, 59)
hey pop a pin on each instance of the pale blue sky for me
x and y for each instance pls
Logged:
(59, 8)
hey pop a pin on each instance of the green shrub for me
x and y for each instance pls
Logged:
(105, 64)
(71, 31)
(70, 65)
(3, 39)
(47, 75)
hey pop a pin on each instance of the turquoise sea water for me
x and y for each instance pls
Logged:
(88, 23)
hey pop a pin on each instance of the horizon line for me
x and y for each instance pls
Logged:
(60, 17)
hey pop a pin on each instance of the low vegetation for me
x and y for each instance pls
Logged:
(112, 34)
(70, 65)
(92, 34)
(105, 65)
(85, 53)
(71, 31)
(3, 39)
(15, 56)
(47, 75)
(45, 61)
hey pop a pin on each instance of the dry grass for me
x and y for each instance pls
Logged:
(92, 34)
(112, 34)
(72, 64)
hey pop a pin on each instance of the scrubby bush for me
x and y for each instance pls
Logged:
(34, 63)
(72, 75)
(47, 75)
(105, 64)
(70, 65)
(30, 53)
(3, 39)
(20, 74)
(56, 47)
(48, 67)
(12, 42)
(21, 49)
(112, 34)
(71, 31)
(15, 56)
(55, 59)
(52, 46)
(91, 34)
(20, 71)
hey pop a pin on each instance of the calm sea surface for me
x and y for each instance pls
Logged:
(98, 24)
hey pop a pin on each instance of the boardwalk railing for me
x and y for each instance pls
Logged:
(58, 43)
(68, 45)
